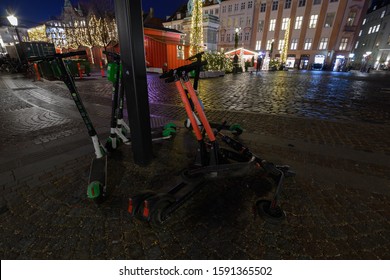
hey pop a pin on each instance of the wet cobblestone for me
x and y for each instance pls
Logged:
(305, 123)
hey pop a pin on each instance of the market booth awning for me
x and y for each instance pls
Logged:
(241, 50)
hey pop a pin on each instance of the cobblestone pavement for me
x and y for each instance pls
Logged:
(332, 128)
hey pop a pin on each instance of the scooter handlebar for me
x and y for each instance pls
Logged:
(57, 55)
(186, 68)
(112, 54)
(197, 56)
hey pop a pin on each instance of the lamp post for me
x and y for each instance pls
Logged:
(236, 37)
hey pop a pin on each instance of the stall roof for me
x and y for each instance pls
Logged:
(238, 52)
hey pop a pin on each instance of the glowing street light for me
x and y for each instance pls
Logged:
(14, 22)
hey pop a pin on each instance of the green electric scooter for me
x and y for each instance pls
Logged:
(97, 183)
(120, 131)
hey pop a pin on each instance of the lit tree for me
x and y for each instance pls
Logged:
(196, 39)
(283, 54)
(38, 34)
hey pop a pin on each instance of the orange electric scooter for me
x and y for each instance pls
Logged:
(212, 162)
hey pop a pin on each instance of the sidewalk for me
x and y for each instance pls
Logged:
(337, 206)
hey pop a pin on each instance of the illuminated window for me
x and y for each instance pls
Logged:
(323, 44)
(313, 21)
(281, 43)
(343, 44)
(294, 44)
(298, 22)
(308, 42)
(269, 44)
(285, 23)
(272, 24)
(258, 45)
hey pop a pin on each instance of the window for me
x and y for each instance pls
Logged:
(285, 22)
(258, 45)
(243, 6)
(272, 24)
(323, 44)
(246, 36)
(377, 27)
(343, 44)
(248, 21)
(313, 21)
(260, 26)
(308, 42)
(281, 44)
(298, 22)
(222, 37)
(269, 44)
(351, 18)
(334, 1)
(236, 7)
(216, 11)
(275, 5)
(287, 4)
(364, 21)
(357, 44)
(329, 20)
(250, 4)
(235, 21)
(369, 30)
(230, 8)
(211, 12)
(224, 9)
(240, 37)
(383, 14)
(262, 7)
(294, 44)
(206, 12)
(241, 21)
(360, 33)
(317, 2)
(301, 3)
(229, 24)
(228, 37)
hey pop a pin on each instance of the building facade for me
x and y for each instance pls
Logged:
(236, 24)
(181, 21)
(322, 33)
(372, 49)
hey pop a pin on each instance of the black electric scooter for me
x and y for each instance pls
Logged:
(97, 182)
(119, 131)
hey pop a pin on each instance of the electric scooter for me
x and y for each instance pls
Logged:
(97, 182)
(119, 131)
(212, 162)
(236, 129)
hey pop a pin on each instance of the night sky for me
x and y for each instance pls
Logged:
(33, 12)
